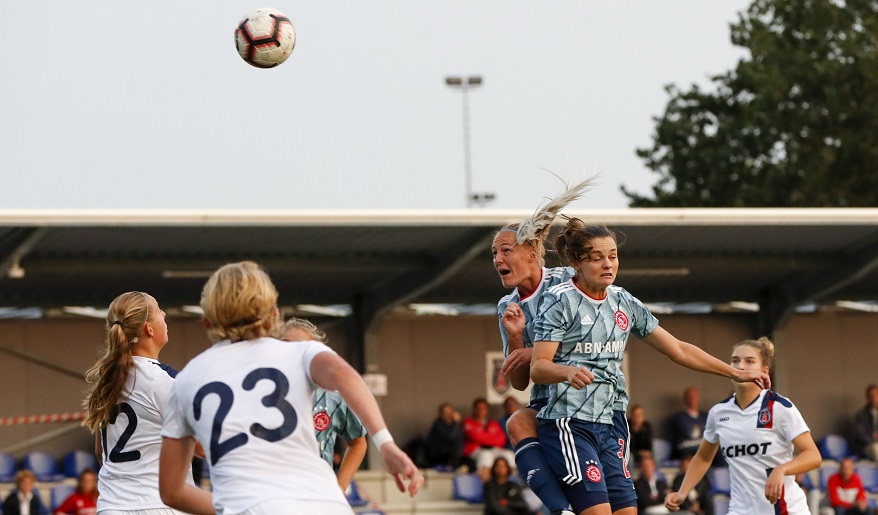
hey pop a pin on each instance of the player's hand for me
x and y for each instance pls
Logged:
(774, 485)
(513, 319)
(515, 359)
(578, 377)
(401, 467)
(673, 501)
(751, 376)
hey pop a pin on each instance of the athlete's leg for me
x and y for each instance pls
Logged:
(571, 449)
(530, 461)
(614, 454)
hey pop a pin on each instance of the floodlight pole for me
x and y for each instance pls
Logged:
(464, 83)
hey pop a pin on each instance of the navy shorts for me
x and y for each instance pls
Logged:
(537, 404)
(591, 454)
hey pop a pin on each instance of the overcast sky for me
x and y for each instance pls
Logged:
(122, 104)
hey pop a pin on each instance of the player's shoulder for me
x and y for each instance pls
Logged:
(506, 299)
(722, 405)
(561, 289)
(154, 370)
(772, 397)
(620, 293)
(558, 274)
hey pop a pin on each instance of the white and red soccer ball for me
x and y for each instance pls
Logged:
(265, 37)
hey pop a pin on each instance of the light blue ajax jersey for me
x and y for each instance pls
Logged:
(332, 417)
(592, 334)
(531, 306)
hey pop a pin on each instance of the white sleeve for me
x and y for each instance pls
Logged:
(311, 349)
(174, 423)
(710, 428)
(792, 424)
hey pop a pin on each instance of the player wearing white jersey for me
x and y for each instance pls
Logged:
(127, 405)
(757, 432)
(332, 415)
(580, 338)
(249, 396)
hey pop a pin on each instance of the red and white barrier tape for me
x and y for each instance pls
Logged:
(42, 419)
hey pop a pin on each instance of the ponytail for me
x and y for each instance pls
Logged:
(125, 320)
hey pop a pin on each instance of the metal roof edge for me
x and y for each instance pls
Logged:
(460, 217)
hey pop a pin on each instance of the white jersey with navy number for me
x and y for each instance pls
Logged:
(249, 404)
(129, 477)
(531, 306)
(591, 333)
(754, 441)
(332, 418)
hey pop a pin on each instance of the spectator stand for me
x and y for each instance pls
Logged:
(437, 497)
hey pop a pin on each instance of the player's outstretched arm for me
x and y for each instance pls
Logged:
(333, 373)
(695, 358)
(174, 462)
(697, 469)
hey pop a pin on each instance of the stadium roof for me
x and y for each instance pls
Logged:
(372, 260)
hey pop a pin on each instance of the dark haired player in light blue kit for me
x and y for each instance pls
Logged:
(580, 338)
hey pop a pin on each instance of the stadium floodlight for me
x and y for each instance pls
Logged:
(464, 83)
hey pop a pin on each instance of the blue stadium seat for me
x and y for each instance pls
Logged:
(720, 505)
(869, 474)
(720, 481)
(826, 471)
(468, 487)
(834, 447)
(354, 497)
(58, 494)
(7, 468)
(77, 461)
(661, 451)
(43, 465)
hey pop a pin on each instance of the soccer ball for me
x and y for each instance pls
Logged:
(265, 38)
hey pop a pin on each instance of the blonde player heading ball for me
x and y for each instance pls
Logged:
(249, 396)
(757, 432)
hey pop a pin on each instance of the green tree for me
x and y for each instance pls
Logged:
(795, 124)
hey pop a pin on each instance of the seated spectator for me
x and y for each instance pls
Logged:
(846, 493)
(484, 439)
(502, 497)
(687, 425)
(23, 499)
(641, 433)
(510, 406)
(699, 501)
(650, 488)
(84, 500)
(814, 495)
(866, 425)
(445, 440)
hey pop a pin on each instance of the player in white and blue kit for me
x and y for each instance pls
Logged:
(332, 415)
(519, 253)
(581, 334)
(127, 405)
(759, 433)
(249, 396)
